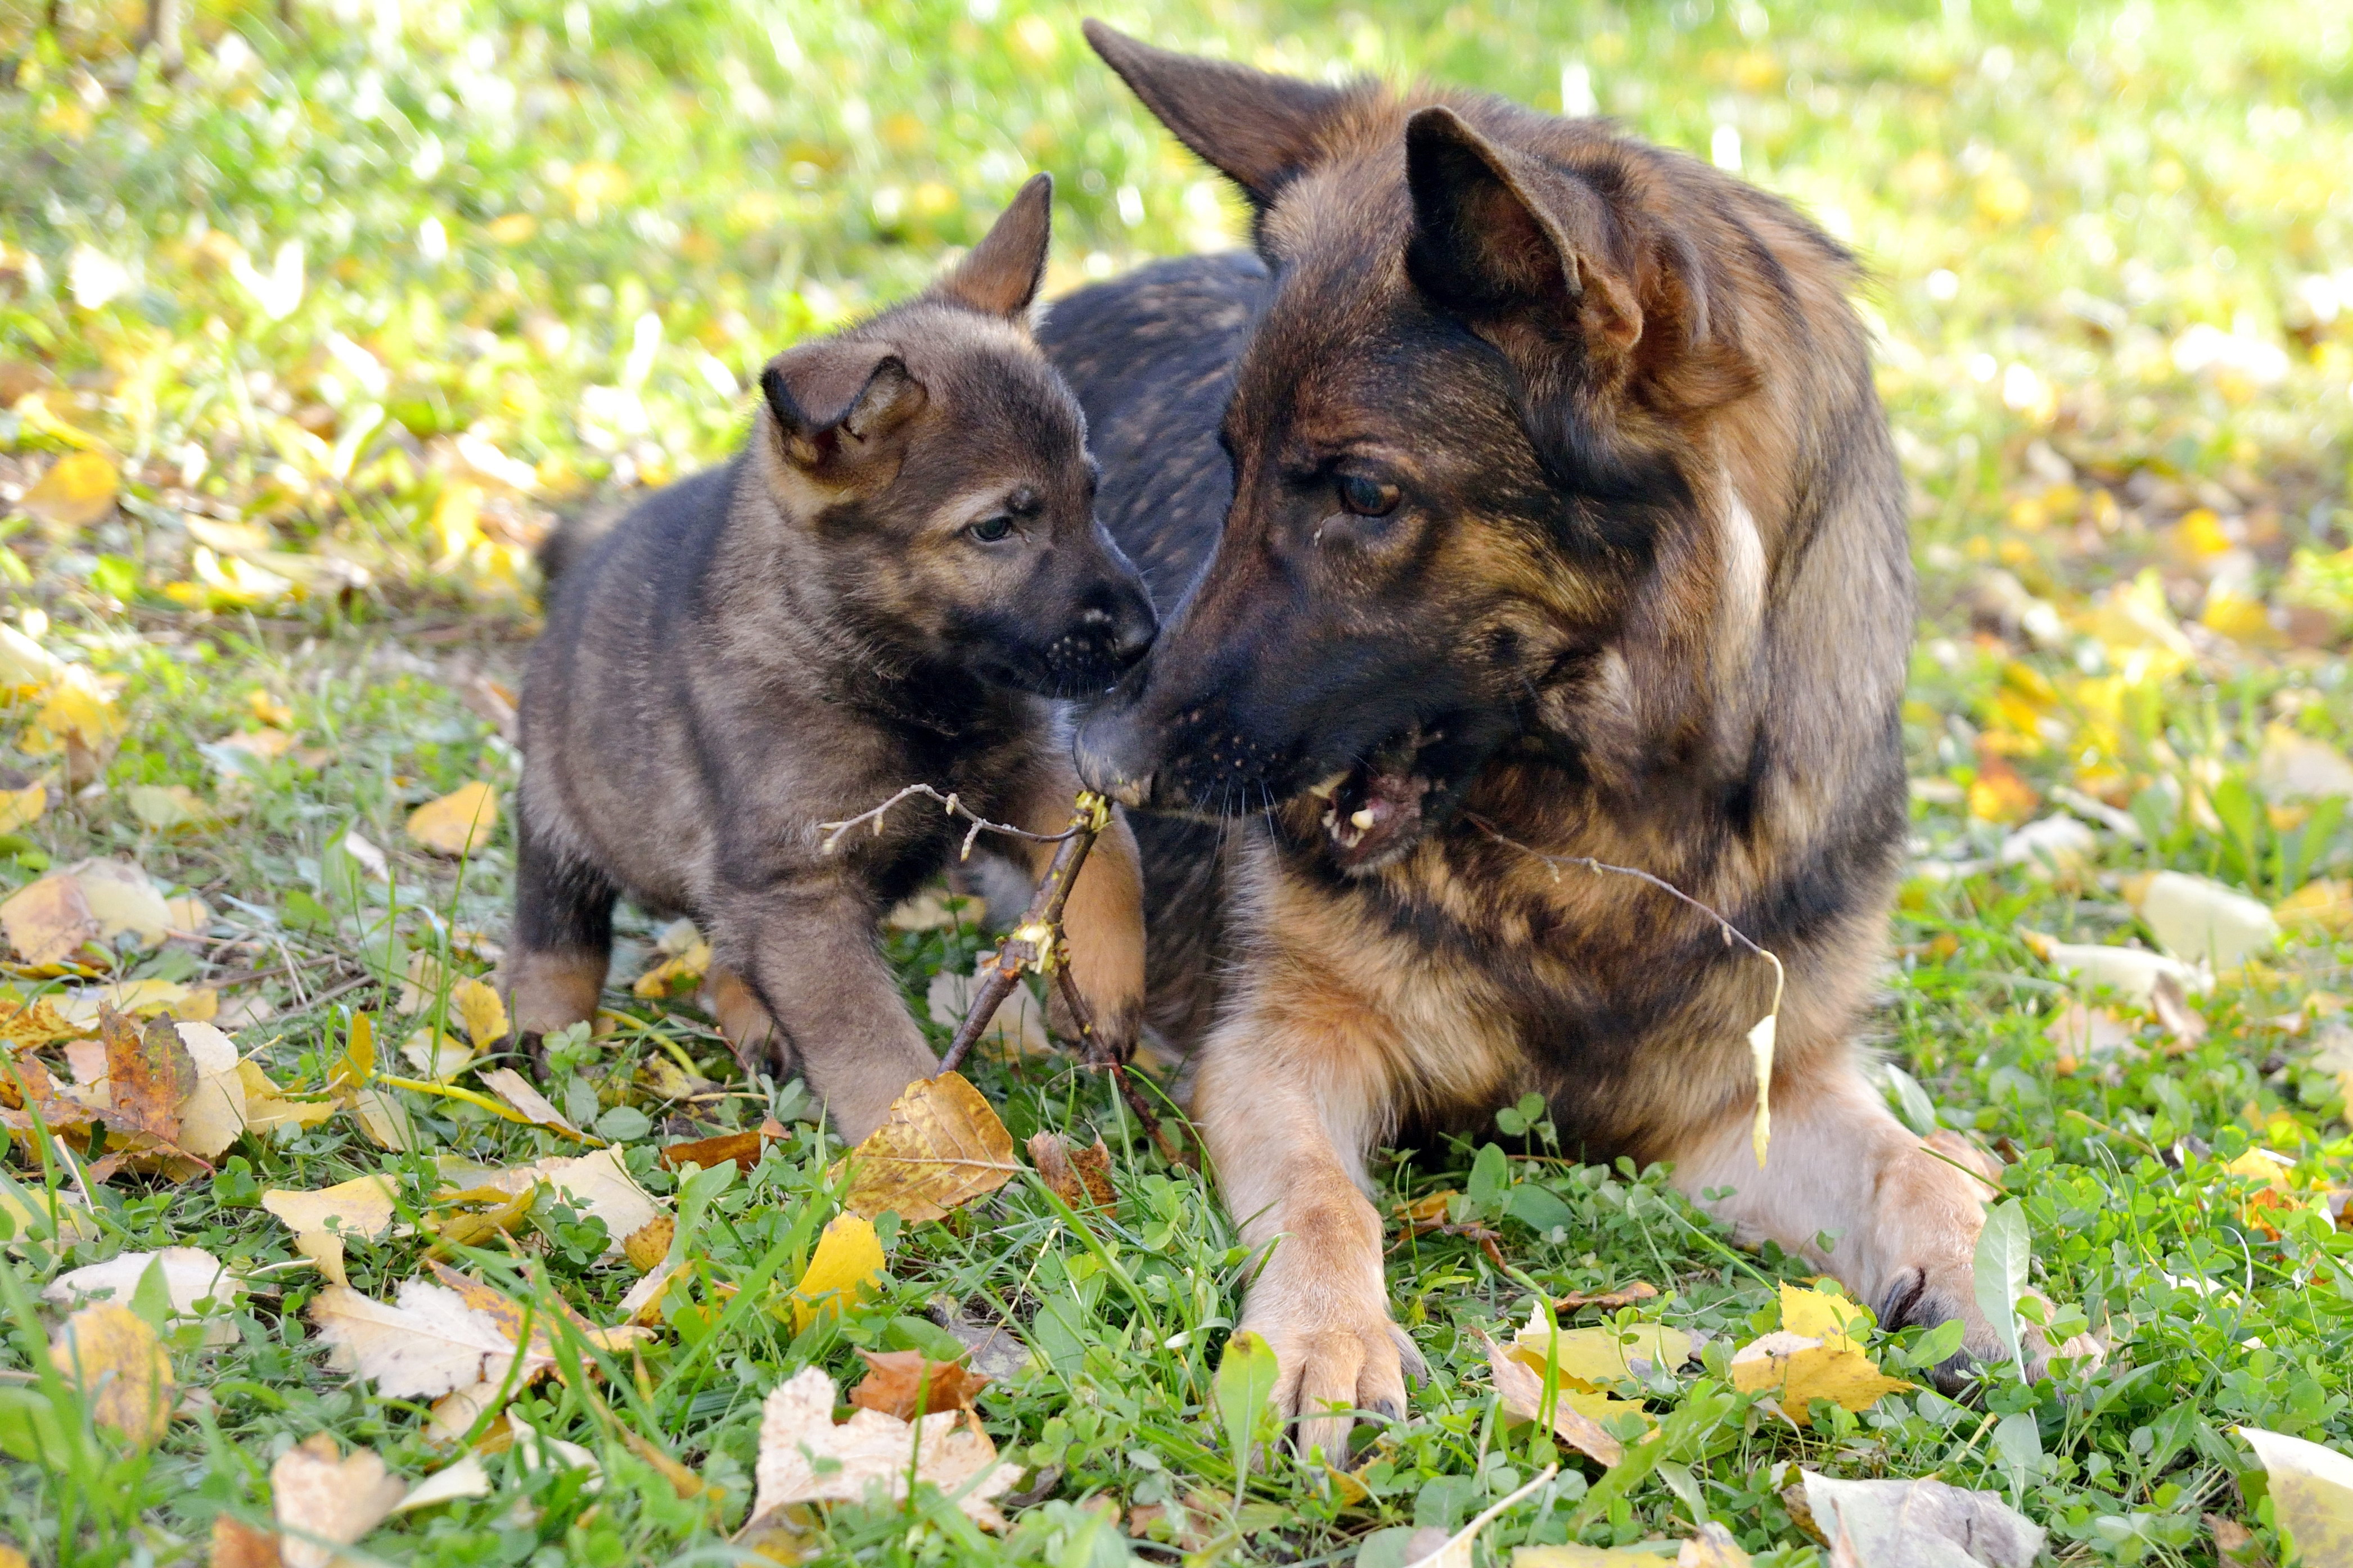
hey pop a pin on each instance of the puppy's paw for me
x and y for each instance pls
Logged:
(1116, 1027)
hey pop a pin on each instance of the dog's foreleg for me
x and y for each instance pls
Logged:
(806, 949)
(1289, 1099)
(1103, 921)
(1894, 1217)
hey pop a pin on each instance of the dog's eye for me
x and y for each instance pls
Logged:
(1367, 497)
(990, 530)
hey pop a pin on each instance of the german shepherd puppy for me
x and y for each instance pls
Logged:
(881, 589)
(1557, 515)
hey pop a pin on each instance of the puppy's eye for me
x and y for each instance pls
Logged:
(991, 529)
(1367, 497)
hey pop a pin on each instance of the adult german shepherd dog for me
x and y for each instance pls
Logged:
(1556, 515)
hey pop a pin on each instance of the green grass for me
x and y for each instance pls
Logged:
(2113, 282)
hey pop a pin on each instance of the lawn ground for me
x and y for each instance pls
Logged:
(302, 350)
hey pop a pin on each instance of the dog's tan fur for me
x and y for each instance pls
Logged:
(1637, 590)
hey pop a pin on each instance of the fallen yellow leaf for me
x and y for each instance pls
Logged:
(480, 1010)
(1520, 1393)
(1593, 1360)
(120, 1365)
(942, 1146)
(22, 807)
(848, 1259)
(319, 1220)
(161, 807)
(1797, 1370)
(457, 823)
(597, 1185)
(2311, 1493)
(76, 491)
(1833, 1319)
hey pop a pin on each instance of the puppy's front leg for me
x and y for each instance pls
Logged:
(807, 952)
(1288, 1101)
(1103, 920)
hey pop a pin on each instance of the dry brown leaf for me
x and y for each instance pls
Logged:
(120, 1365)
(1607, 1300)
(432, 1342)
(805, 1457)
(941, 1147)
(236, 1544)
(1080, 1177)
(325, 1500)
(907, 1383)
(148, 1071)
(744, 1147)
(460, 821)
(1520, 1391)
(47, 921)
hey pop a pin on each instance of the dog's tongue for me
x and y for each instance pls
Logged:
(1374, 812)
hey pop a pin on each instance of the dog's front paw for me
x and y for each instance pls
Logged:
(1926, 1296)
(1335, 1356)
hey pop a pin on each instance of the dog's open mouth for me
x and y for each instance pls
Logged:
(1373, 811)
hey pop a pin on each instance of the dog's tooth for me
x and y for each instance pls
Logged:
(1362, 818)
(1329, 787)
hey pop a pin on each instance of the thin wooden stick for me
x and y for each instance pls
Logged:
(1036, 942)
(834, 831)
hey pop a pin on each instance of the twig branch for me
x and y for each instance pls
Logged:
(1732, 933)
(1761, 1035)
(1036, 942)
(835, 831)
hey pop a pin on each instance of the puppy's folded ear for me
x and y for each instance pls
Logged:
(1001, 275)
(837, 399)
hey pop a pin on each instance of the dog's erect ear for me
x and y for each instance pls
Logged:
(1533, 258)
(837, 398)
(1256, 129)
(1498, 235)
(1001, 275)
